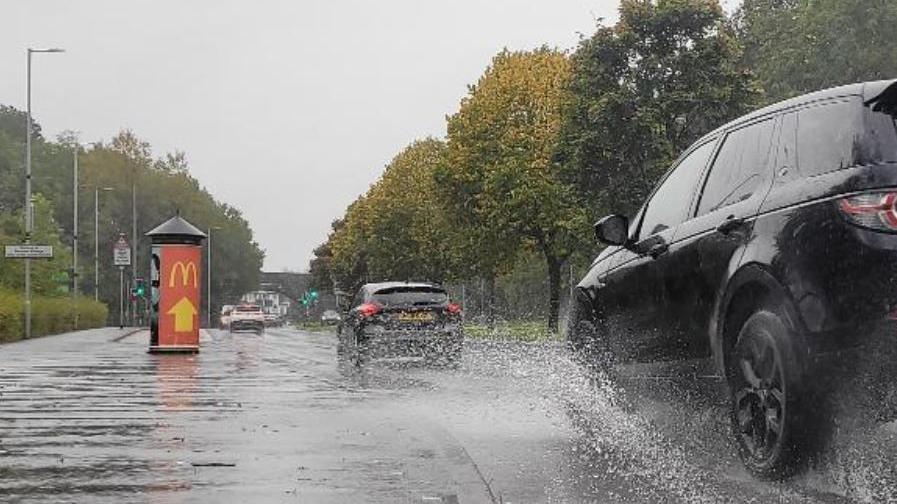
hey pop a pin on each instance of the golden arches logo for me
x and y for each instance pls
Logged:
(185, 273)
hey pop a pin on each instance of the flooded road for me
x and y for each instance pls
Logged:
(91, 417)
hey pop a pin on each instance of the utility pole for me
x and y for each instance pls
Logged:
(121, 297)
(75, 234)
(29, 217)
(209, 275)
(96, 241)
(96, 244)
(209, 279)
(134, 241)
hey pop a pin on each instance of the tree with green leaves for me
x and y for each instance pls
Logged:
(48, 276)
(164, 186)
(409, 236)
(643, 90)
(349, 246)
(499, 179)
(397, 230)
(798, 46)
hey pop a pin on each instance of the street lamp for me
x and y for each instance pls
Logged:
(75, 226)
(209, 275)
(96, 241)
(29, 221)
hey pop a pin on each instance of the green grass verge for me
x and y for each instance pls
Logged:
(315, 326)
(519, 330)
(49, 315)
(503, 330)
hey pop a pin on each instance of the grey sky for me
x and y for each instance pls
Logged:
(287, 110)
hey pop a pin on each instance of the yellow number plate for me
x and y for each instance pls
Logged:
(416, 316)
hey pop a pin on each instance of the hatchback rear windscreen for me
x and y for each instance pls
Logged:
(410, 296)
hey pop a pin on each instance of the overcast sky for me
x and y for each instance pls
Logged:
(287, 110)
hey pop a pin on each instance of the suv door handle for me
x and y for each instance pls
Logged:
(658, 250)
(730, 224)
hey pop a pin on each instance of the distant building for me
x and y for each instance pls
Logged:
(291, 288)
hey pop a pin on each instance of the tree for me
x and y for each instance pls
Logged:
(349, 246)
(643, 90)
(48, 276)
(319, 268)
(397, 230)
(164, 187)
(798, 46)
(499, 178)
(409, 236)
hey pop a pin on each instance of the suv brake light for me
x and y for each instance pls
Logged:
(369, 309)
(871, 210)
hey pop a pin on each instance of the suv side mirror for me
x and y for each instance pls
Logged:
(612, 230)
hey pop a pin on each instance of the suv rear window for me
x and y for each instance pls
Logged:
(828, 136)
(404, 296)
(881, 139)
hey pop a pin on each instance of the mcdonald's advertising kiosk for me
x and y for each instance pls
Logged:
(175, 276)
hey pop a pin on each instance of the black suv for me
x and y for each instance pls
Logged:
(402, 319)
(769, 247)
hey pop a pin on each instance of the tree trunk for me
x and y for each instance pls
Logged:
(490, 302)
(554, 292)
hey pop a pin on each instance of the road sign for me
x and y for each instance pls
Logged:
(121, 252)
(28, 251)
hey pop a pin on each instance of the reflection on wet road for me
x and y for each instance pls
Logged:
(277, 418)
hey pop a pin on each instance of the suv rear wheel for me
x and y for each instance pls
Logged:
(765, 382)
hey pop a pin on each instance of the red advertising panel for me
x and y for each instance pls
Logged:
(179, 296)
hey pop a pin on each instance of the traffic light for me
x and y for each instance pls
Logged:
(139, 288)
(313, 294)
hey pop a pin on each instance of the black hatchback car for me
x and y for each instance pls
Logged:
(398, 319)
(769, 247)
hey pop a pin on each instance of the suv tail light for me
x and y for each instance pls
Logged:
(871, 210)
(369, 309)
(453, 308)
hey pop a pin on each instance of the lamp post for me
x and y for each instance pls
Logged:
(209, 276)
(74, 236)
(96, 241)
(29, 220)
(134, 244)
(75, 226)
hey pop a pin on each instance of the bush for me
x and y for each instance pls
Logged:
(49, 315)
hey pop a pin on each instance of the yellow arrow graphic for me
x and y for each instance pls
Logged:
(183, 312)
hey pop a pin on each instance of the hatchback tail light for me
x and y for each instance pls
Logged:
(453, 308)
(871, 210)
(369, 309)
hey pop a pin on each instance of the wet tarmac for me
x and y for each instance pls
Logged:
(91, 417)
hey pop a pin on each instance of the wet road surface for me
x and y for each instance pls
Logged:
(91, 417)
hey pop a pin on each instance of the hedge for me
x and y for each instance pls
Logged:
(49, 315)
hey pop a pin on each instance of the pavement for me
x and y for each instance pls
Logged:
(91, 417)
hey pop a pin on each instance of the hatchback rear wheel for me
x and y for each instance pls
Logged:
(766, 407)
